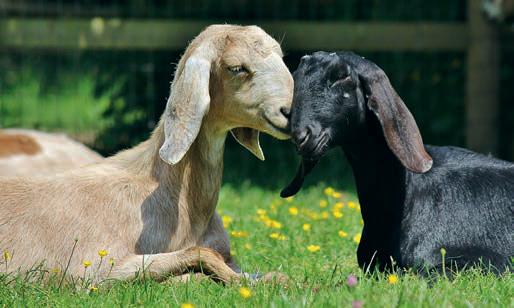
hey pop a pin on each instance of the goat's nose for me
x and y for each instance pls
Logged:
(285, 111)
(301, 137)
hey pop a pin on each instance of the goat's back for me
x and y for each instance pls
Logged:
(29, 152)
(464, 204)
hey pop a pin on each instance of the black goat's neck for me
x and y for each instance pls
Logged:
(379, 176)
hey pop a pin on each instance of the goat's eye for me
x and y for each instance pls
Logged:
(238, 69)
(342, 81)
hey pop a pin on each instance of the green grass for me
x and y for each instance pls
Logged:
(318, 279)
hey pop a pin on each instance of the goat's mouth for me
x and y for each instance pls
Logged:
(283, 131)
(313, 148)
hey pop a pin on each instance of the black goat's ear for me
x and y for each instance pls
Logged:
(296, 184)
(398, 125)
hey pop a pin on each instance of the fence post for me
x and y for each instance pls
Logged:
(482, 101)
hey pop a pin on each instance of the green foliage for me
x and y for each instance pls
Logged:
(69, 104)
(318, 279)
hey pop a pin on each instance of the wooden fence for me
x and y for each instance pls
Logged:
(479, 39)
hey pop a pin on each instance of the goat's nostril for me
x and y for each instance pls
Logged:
(302, 137)
(285, 111)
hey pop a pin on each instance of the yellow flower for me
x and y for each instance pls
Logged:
(102, 253)
(239, 233)
(245, 293)
(7, 255)
(277, 236)
(306, 227)
(323, 203)
(187, 305)
(336, 195)
(93, 289)
(352, 205)
(290, 199)
(342, 233)
(313, 248)
(261, 212)
(274, 224)
(227, 220)
(325, 215)
(86, 263)
(338, 205)
(111, 261)
(337, 214)
(293, 211)
(392, 279)
(357, 238)
(248, 246)
(56, 270)
(328, 191)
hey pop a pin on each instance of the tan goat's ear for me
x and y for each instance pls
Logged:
(249, 138)
(188, 103)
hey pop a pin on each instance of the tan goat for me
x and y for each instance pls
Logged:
(26, 152)
(153, 206)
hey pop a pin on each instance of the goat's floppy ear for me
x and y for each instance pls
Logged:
(398, 125)
(249, 138)
(188, 103)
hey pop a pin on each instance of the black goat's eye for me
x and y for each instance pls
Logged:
(238, 69)
(341, 81)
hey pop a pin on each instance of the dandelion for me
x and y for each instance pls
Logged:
(352, 280)
(293, 211)
(337, 195)
(277, 236)
(338, 206)
(323, 203)
(102, 253)
(111, 261)
(274, 224)
(239, 234)
(357, 238)
(187, 305)
(342, 233)
(337, 214)
(245, 293)
(261, 212)
(328, 191)
(86, 263)
(306, 227)
(325, 215)
(313, 248)
(227, 220)
(392, 279)
(93, 289)
(6, 255)
(55, 270)
(248, 246)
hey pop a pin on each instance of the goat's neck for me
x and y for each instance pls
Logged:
(379, 176)
(191, 185)
(196, 179)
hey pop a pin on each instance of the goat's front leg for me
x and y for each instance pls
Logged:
(216, 238)
(159, 266)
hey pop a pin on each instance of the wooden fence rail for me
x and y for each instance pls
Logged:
(113, 33)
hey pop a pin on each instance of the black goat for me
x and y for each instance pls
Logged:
(414, 201)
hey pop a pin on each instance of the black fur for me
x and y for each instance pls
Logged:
(464, 204)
